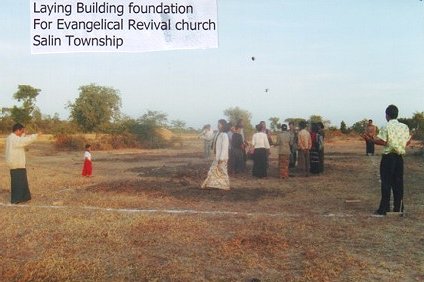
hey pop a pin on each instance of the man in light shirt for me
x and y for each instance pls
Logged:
(304, 144)
(15, 160)
(207, 136)
(394, 137)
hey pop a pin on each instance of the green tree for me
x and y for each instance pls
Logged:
(415, 124)
(274, 123)
(95, 108)
(419, 129)
(6, 121)
(359, 126)
(154, 118)
(318, 118)
(28, 96)
(235, 114)
(343, 127)
(296, 121)
(178, 125)
(146, 128)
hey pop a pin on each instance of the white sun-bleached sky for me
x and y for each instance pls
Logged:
(341, 59)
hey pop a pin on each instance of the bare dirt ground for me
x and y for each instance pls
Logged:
(142, 217)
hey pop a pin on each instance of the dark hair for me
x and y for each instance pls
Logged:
(239, 123)
(17, 126)
(370, 120)
(291, 122)
(392, 111)
(258, 127)
(87, 146)
(284, 127)
(302, 124)
(314, 127)
(225, 125)
(321, 125)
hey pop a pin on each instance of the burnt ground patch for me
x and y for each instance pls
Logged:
(168, 157)
(187, 171)
(191, 192)
(183, 183)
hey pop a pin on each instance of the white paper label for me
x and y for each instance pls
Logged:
(63, 26)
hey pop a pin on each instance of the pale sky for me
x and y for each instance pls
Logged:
(341, 59)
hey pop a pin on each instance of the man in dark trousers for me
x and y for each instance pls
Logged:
(394, 137)
(15, 160)
(370, 132)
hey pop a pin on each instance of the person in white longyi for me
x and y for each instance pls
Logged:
(218, 172)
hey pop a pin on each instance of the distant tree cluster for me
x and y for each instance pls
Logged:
(415, 124)
(97, 109)
(235, 114)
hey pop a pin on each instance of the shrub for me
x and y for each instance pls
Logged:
(151, 136)
(70, 142)
(116, 141)
(176, 141)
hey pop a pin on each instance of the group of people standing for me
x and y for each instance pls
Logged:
(237, 144)
(302, 146)
(229, 148)
(303, 149)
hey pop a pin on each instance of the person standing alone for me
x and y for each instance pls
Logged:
(370, 132)
(87, 169)
(15, 160)
(394, 137)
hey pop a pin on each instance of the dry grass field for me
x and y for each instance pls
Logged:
(142, 217)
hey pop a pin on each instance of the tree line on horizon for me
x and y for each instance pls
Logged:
(97, 109)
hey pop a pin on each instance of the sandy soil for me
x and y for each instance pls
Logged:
(143, 217)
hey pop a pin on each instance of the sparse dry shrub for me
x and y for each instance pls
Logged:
(151, 136)
(332, 135)
(102, 145)
(116, 141)
(176, 141)
(102, 142)
(68, 142)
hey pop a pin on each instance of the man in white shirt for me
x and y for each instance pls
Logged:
(260, 156)
(207, 135)
(15, 160)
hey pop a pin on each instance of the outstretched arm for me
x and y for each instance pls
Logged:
(375, 140)
(26, 140)
(378, 141)
(409, 140)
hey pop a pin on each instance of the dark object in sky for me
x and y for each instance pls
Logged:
(266, 90)
(253, 58)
